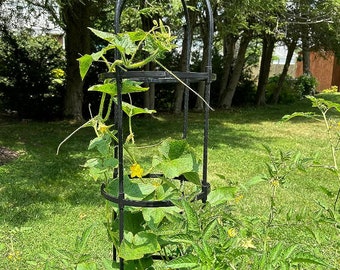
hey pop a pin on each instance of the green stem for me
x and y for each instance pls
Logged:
(141, 42)
(130, 130)
(333, 150)
(87, 124)
(272, 207)
(133, 160)
(187, 86)
(107, 63)
(102, 104)
(108, 112)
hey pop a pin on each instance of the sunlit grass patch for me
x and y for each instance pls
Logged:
(46, 200)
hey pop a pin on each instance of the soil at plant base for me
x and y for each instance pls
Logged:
(7, 155)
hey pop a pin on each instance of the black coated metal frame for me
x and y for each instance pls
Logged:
(160, 77)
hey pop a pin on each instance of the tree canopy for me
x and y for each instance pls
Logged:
(244, 30)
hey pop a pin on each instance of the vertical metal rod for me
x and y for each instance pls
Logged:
(187, 66)
(207, 99)
(119, 117)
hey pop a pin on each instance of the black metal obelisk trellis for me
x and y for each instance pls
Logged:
(160, 77)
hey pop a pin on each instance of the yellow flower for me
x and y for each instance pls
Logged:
(238, 198)
(232, 232)
(102, 128)
(14, 255)
(136, 170)
(275, 183)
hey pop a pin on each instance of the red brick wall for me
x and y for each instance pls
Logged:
(324, 68)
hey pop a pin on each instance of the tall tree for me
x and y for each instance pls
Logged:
(291, 45)
(272, 14)
(227, 95)
(234, 24)
(188, 33)
(74, 17)
(268, 44)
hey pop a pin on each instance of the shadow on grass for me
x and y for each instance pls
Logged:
(41, 183)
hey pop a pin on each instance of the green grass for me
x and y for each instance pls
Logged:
(46, 200)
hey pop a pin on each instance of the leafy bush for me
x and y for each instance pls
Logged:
(290, 90)
(31, 75)
(306, 84)
(245, 91)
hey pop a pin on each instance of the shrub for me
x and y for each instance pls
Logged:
(289, 92)
(245, 91)
(306, 84)
(31, 75)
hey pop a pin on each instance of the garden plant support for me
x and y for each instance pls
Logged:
(159, 77)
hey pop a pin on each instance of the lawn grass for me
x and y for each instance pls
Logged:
(46, 200)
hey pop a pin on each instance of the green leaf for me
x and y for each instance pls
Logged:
(102, 144)
(93, 162)
(84, 64)
(276, 252)
(254, 181)
(128, 86)
(154, 216)
(192, 177)
(108, 88)
(176, 167)
(137, 35)
(131, 110)
(134, 247)
(133, 222)
(103, 35)
(289, 252)
(221, 195)
(110, 265)
(310, 259)
(209, 230)
(187, 261)
(288, 117)
(182, 238)
(192, 218)
(208, 251)
(203, 257)
(125, 44)
(87, 266)
(144, 263)
(110, 162)
(173, 149)
(81, 242)
(134, 189)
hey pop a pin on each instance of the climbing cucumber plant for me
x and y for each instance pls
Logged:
(145, 229)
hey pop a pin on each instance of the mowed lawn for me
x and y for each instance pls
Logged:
(47, 200)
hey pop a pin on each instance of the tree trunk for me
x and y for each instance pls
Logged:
(291, 47)
(149, 96)
(267, 54)
(227, 96)
(199, 105)
(229, 44)
(305, 57)
(147, 24)
(187, 42)
(77, 43)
